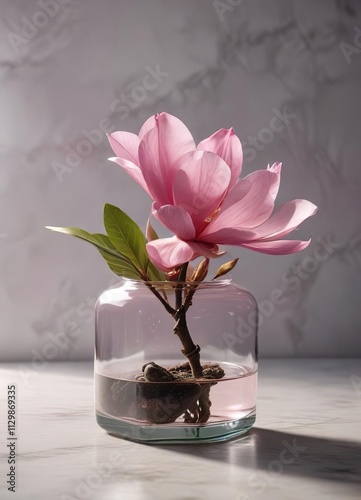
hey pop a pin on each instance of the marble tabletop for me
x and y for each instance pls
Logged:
(306, 441)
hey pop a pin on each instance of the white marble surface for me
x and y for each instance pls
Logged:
(227, 67)
(63, 454)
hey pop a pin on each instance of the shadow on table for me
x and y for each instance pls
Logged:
(276, 451)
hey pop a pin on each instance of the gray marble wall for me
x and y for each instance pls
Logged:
(69, 67)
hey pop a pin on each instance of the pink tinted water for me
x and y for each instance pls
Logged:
(233, 397)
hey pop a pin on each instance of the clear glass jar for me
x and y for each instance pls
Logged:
(134, 329)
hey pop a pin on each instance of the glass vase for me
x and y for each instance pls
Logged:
(136, 349)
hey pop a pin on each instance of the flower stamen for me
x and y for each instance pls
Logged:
(213, 215)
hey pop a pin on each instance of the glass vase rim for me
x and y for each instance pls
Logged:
(173, 284)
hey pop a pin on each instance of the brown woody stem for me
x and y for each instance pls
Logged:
(190, 349)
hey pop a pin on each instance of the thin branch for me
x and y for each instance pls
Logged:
(179, 290)
(168, 307)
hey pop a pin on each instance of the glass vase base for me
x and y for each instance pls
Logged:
(176, 433)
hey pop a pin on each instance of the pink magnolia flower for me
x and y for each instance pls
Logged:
(198, 195)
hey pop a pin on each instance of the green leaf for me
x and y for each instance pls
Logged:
(124, 249)
(154, 273)
(128, 239)
(225, 268)
(126, 236)
(118, 263)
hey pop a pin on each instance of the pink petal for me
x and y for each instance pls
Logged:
(168, 253)
(228, 236)
(287, 218)
(200, 183)
(152, 171)
(248, 204)
(206, 250)
(280, 247)
(159, 150)
(276, 167)
(176, 219)
(134, 172)
(147, 125)
(125, 145)
(226, 144)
